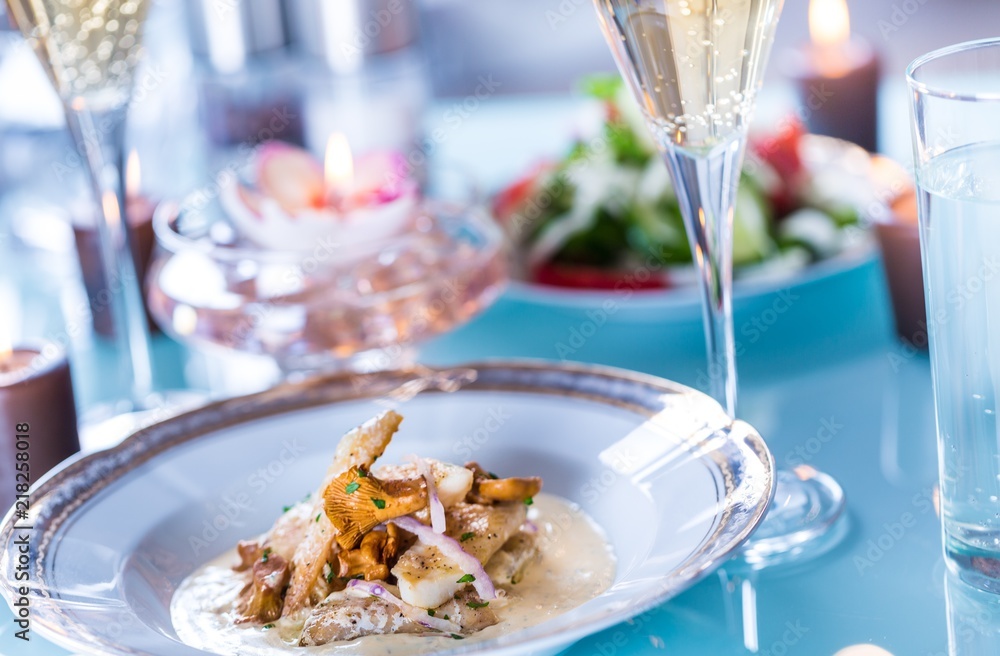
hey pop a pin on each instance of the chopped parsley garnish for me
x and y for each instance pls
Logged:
(446, 616)
(492, 475)
(268, 627)
(264, 556)
(468, 578)
(477, 604)
(362, 473)
(430, 611)
(466, 536)
(457, 637)
(529, 501)
(352, 487)
(285, 509)
(379, 503)
(329, 575)
(318, 516)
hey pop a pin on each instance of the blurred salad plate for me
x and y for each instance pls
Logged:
(605, 218)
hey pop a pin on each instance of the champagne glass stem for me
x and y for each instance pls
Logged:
(100, 138)
(706, 184)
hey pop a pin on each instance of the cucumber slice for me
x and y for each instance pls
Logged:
(814, 229)
(752, 240)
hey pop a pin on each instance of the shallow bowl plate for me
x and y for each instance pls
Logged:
(676, 485)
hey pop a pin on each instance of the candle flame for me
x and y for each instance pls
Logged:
(112, 213)
(829, 22)
(6, 341)
(338, 166)
(133, 175)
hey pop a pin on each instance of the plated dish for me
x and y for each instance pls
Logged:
(672, 483)
(605, 216)
(399, 557)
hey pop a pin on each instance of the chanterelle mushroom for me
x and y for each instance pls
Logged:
(249, 552)
(357, 502)
(373, 558)
(487, 488)
(261, 600)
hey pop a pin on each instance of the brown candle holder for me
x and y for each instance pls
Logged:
(899, 239)
(88, 247)
(840, 102)
(37, 417)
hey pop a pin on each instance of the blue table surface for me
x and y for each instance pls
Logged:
(823, 378)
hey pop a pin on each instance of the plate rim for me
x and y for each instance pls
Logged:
(294, 396)
(536, 295)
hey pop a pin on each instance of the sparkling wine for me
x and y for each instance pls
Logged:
(89, 48)
(694, 65)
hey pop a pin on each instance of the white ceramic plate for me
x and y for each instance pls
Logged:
(675, 484)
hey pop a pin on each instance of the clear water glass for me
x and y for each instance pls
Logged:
(955, 94)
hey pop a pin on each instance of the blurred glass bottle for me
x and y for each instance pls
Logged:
(363, 67)
(249, 88)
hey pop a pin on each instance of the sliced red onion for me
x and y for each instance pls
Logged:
(454, 552)
(411, 612)
(436, 507)
(529, 527)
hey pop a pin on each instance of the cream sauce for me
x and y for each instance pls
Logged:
(577, 564)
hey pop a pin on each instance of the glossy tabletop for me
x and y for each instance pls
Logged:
(825, 381)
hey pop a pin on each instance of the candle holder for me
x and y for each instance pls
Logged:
(838, 90)
(37, 416)
(837, 77)
(344, 304)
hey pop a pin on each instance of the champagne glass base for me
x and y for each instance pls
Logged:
(808, 505)
(107, 424)
(805, 521)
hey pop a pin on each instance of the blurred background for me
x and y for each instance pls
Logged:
(444, 80)
(544, 45)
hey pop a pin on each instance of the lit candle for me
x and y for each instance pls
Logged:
(37, 415)
(837, 77)
(139, 210)
(338, 169)
(300, 204)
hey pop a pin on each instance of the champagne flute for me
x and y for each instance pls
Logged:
(89, 50)
(695, 67)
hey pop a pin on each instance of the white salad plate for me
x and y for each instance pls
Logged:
(675, 484)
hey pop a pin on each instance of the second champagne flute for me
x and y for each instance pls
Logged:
(89, 51)
(695, 67)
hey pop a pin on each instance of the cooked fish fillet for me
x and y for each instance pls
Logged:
(286, 534)
(471, 618)
(452, 482)
(360, 447)
(427, 579)
(343, 616)
(510, 563)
